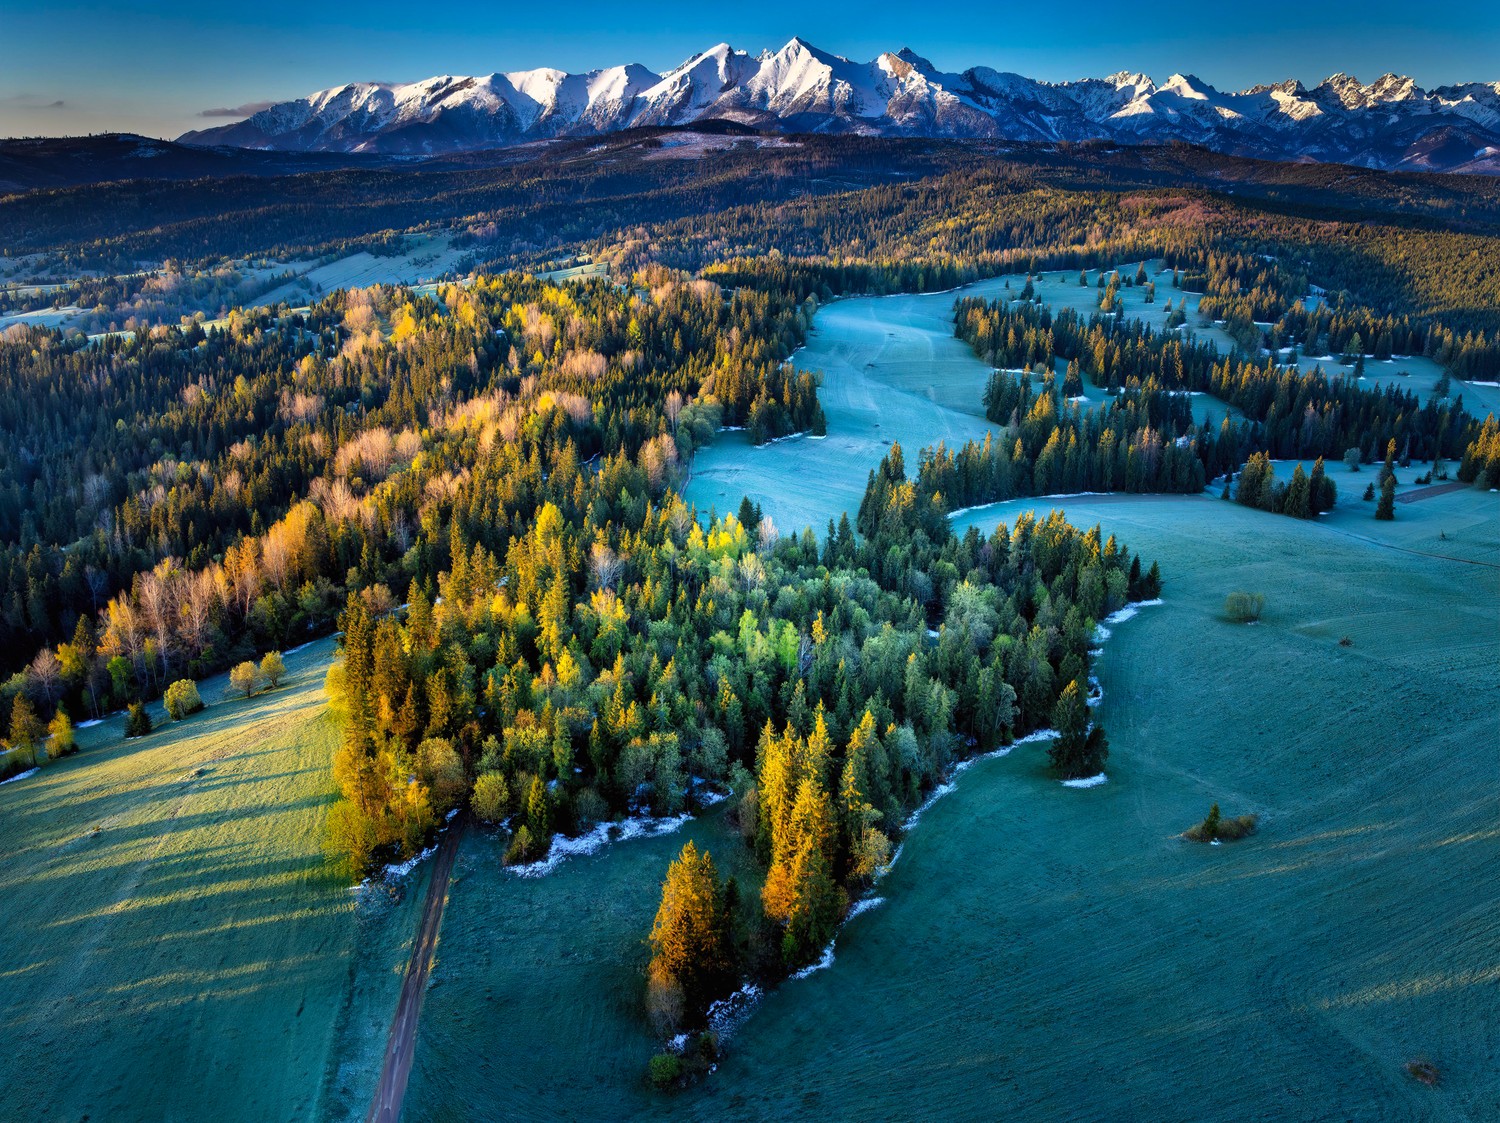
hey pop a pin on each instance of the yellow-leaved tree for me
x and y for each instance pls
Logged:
(691, 963)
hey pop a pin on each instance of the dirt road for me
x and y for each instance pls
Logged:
(402, 1043)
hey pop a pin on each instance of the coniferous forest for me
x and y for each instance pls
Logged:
(479, 485)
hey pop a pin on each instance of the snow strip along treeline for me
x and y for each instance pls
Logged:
(1059, 495)
(396, 871)
(643, 826)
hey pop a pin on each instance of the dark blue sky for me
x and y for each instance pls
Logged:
(76, 66)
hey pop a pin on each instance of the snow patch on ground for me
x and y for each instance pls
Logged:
(823, 961)
(21, 775)
(564, 847)
(1105, 628)
(728, 1014)
(1058, 495)
(788, 437)
(1087, 782)
(396, 871)
(93, 721)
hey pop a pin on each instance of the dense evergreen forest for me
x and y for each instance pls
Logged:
(480, 486)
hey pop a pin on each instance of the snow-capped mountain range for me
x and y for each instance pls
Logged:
(1390, 123)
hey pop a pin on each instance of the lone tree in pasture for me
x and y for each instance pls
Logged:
(1216, 828)
(181, 699)
(1211, 824)
(1388, 469)
(26, 730)
(273, 668)
(137, 720)
(691, 961)
(1386, 508)
(245, 678)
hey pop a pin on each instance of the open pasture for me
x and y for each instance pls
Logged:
(1047, 953)
(168, 907)
(535, 1004)
(429, 256)
(893, 371)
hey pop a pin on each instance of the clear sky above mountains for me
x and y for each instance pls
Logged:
(161, 67)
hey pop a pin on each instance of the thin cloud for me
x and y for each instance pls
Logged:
(32, 101)
(249, 109)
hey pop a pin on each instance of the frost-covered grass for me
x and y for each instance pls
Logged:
(41, 318)
(1039, 952)
(174, 944)
(429, 256)
(892, 373)
(535, 1006)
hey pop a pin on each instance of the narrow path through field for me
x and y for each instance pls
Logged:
(1408, 549)
(402, 1043)
(1431, 492)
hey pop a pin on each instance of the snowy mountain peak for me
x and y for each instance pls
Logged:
(802, 88)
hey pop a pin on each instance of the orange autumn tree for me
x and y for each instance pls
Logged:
(798, 831)
(691, 963)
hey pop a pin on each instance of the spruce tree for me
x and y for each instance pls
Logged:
(1070, 720)
(1386, 508)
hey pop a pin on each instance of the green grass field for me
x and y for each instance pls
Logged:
(173, 945)
(1045, 953)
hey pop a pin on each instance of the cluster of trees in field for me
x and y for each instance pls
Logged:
(1303, 497)
(172, 504)
(1236, 282)
(1292, 414)
(610, 653)
(837, 771)
(1141, 441)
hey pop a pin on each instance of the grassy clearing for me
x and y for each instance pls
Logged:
(534, 1008)
(429, 256)
(892, 372)
(1044, 953)
(1050, 954)
(41, 318)
(169, 913)
(575, 272)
